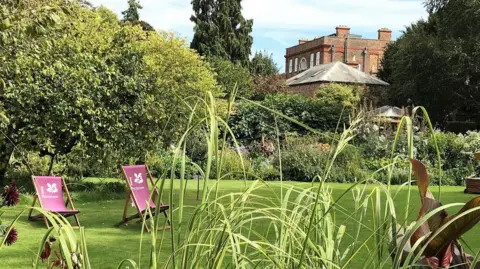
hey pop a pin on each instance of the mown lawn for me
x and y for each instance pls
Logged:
(109, 245)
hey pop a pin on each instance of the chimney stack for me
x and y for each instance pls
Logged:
(302, 41)
(385, 34)
(342, 31)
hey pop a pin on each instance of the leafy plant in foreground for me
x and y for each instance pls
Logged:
(434, 237)
(60, 246)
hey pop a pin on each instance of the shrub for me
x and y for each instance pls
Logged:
(197, 147)
(332, 106)
(161, 162)
(264, 167)
(301, 164)
(348, 166)
(231, 75)
(472, 142)
(232, 164)
(113, 187)
(101, 187)
(267, 85)
(22, 173)
(338, 96)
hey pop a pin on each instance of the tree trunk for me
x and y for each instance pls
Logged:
(6, 151)
(50, 166)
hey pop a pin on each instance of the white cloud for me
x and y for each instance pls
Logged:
(162, 14)
(283, 21)
(297, 14)
(289, 14)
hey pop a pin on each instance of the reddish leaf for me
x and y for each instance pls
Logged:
(421, 174)
(436, 263)
(435, 221)
(447, 257)
(433, 262)
(428, 204)
(439, 252)
(59, 262)
(432, 224)
(46, 252)
(458, 227)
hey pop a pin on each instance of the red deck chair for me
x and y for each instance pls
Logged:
(50, 195)
(139, 194)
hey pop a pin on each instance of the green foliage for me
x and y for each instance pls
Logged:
(161, 163)
(131, 14)
(262, 64)
(232, 164)
(221, 30)
(338, 96)
(16, 20)
(265, 167)
(91, 83)
(332, 105)
(302, 162)
(434, 63)
(100, 187)
(144, 25)
(456, 151)
(266, 85)
(232, 75)
(196, 149)
(304, 158)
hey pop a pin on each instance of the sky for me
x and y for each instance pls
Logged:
(278, 24)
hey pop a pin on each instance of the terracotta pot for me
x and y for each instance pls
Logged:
(472, 185)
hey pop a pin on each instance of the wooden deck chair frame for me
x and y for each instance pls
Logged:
(66, 215)
(141, 214)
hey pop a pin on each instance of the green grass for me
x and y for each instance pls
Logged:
(108, 245)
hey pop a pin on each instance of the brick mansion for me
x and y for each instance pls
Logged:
(342, 46)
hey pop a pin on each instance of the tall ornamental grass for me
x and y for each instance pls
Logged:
(293, 227)
(298, 228)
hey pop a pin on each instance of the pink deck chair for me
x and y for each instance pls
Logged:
(50, 191)
(139, 194)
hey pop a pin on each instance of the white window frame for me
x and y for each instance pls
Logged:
(312, 60)
(303, 64)
(290, 66)
(318, 59)
(296, 64)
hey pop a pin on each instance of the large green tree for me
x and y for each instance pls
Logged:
(221, 30)
(435, 63)
(232, 76)
(262, 64)
(19, 30)
(89, 81)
